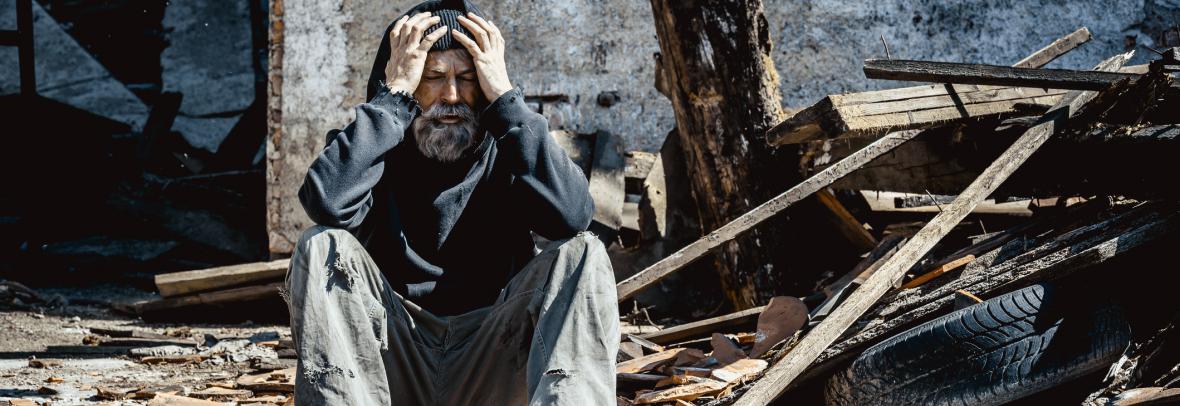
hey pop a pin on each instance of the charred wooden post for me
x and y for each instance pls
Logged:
(715, 67)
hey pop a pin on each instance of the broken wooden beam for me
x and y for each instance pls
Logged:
(204, 280)
(780, 376)
(703, 327)
(993, 75)
(219, 297)
(648, 362)
(1055, 49)
(882, 111)
(654, 273)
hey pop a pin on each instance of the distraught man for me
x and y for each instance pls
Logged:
(421, 283)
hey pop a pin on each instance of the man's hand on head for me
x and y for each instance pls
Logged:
(487, 50)
(408, 49)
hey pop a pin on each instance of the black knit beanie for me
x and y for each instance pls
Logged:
(447, 10)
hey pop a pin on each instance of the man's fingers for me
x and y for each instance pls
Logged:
(481, 36)
(485, 24)
(421, 26)
(432, 37)
(395, 32)
(467, 42)
(408, 27)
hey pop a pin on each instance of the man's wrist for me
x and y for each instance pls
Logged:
(398, 86)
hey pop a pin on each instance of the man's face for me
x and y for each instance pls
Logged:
(449, 95)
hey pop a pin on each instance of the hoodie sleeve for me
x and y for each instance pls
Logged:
(337, 191)
(549, 189)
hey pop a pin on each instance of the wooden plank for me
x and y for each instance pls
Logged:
(780, 376)
(683, 392)
(981, 74)
(647, 362)
(739, 370)
(654, 273)
(947, 267)
(703, 327)
(1059, 47)
(211, 298)
(203, 280)
(943, 102)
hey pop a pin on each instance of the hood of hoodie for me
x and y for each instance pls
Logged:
(447, 10)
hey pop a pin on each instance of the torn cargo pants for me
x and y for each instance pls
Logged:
(549, 339)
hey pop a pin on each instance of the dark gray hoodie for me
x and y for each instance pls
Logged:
(447, 236)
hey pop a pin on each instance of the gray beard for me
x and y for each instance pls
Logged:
(441, 141)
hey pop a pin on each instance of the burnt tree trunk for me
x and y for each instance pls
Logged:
(715, 67)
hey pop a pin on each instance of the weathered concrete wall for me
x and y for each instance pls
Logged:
(565, 54)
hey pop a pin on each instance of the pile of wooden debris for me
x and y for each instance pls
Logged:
(942, 310)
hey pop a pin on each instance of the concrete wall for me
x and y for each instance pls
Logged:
(565, 54)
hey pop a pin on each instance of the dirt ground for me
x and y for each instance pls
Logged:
(29, 333)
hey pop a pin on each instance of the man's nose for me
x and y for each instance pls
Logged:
(450, 92)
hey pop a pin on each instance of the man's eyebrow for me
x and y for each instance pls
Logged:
(437, 69)
(466, 71)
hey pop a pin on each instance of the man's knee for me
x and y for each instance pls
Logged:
(332, 253)
(586, 252)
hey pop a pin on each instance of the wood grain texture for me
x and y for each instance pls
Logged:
(981, 74)
(654, 273)
(780, 376)
(203, 280)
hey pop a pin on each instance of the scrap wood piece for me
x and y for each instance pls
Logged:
(216, 392)
(273, 381)
(740, 370)
(647, 362)
(685, 392)
(654, 273)
(210, 298)
(783, 316)
(203, 280)
(173, 359)
(703, 327)
(641, 378)
(114, 393)
(689, 356)
(141, 342)
(129, 333)
(1147, 396)
(982, 74)
(1055, 49)
(680, 379)
(177, 400)
(944, 268)
(886, 202)
(882, 111)
(640, 341)
(964, 299)
(815, 342)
